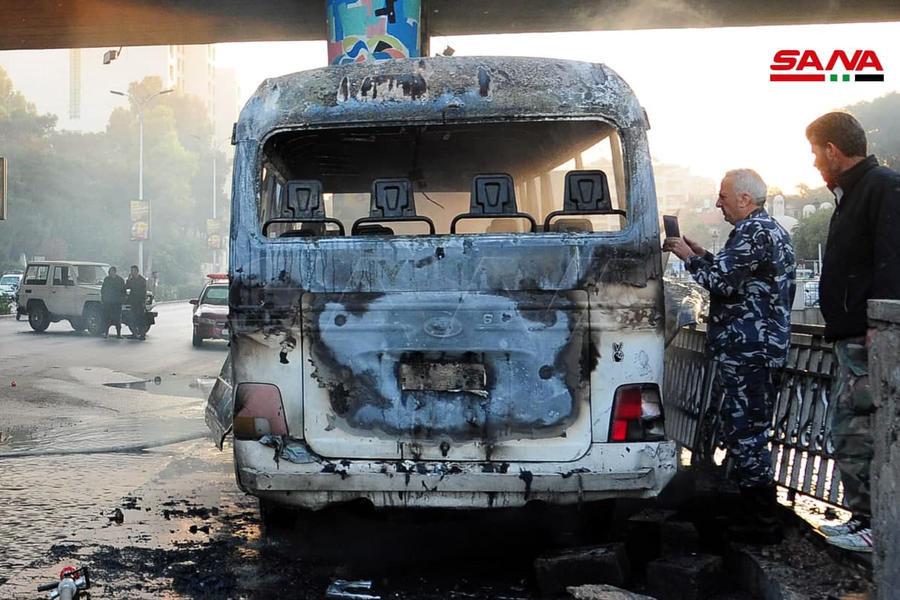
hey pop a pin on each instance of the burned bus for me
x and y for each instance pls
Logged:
(445, 288)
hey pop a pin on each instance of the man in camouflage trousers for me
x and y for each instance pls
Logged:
(751, 290)
(861, 261)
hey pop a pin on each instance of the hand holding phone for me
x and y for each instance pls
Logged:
(670, 223)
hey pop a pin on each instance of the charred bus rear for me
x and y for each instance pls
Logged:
(433, 302)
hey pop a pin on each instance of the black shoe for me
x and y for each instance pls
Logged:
(106, 334)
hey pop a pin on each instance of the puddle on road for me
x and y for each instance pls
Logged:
(113, 435)
(191, 387)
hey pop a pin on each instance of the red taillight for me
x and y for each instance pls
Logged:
(637, 414)
(258, 411)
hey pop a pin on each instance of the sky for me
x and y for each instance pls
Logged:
(707, 91)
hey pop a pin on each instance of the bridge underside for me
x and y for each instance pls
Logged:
(97, 23)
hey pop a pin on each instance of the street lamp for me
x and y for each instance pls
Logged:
(140, 103)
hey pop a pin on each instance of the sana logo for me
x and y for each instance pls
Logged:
(807, 65)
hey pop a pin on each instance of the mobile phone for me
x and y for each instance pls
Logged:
(670, 222)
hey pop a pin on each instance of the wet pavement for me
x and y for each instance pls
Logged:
(104, 465)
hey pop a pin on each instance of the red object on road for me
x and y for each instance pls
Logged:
(13, 383)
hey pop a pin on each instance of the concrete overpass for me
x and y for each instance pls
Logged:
(41, 24)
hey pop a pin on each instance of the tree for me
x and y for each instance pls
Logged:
(811, 231)
(881, 118)
(70, 192)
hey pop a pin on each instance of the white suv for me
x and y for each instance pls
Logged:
(56, 290)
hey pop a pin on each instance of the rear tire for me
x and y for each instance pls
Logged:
(77, 324)
(94, 321)
(38, 317)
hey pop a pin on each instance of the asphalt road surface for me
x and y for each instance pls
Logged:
(104, 462)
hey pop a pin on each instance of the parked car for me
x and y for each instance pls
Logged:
(9, 288)
(211, 310)
(59, 290)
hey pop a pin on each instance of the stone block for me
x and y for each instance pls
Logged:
(884, 377)
(603, 592)
(606, 563)
(690, 577)
(643, 535)
(679, 537)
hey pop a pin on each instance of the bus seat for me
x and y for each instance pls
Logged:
(586, 193)
(307, 229)
(391, 201)
(372, 229)
(492, 196)
(571, 225)
(504, 226)
(303, 204)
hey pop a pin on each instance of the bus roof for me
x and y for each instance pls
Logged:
(439, 89)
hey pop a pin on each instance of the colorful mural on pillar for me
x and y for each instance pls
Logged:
(360, 30)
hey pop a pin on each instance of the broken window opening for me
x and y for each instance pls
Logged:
(440, 162)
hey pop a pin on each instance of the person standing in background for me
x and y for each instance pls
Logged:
(861, 261)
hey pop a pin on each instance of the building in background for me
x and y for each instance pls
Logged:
(74, 84)
(679, 191)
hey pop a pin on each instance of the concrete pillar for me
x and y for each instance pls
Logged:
(361, 30)
(884, 376)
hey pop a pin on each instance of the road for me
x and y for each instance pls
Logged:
(61, 406)
(102, 466)
(104, 462)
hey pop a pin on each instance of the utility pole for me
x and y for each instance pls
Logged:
(140, 103)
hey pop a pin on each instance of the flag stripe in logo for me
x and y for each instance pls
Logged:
(868, 77)
(797, 77)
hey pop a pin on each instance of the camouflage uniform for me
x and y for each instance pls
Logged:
(852, 422)
(751, 289)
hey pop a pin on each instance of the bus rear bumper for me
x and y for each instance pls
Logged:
(606, 471)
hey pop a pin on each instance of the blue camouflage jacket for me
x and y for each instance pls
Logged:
(751, 290)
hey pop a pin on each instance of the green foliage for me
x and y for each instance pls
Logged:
(881, 118)
(70, 192)
(809, 233)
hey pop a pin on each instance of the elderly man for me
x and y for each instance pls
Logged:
(751, 289)
(862, 261)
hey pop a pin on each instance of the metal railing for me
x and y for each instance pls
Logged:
(802, 450)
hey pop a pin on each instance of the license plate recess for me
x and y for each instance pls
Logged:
(442, 377)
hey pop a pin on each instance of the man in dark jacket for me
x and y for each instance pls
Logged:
(112, 294)
(751, 289)
(137, 297)
(862, 261)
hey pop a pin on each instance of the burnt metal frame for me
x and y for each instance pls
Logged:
(574, 203)
(479, 209)
(381, 211)
(309, 209)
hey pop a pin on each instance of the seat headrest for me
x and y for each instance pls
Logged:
(586, 191)
(392, 198)
(303, 199)
(493, 194)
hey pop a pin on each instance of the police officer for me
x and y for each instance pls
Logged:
(862, 261)
(751, 290)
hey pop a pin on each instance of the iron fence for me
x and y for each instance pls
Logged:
(800, 436)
